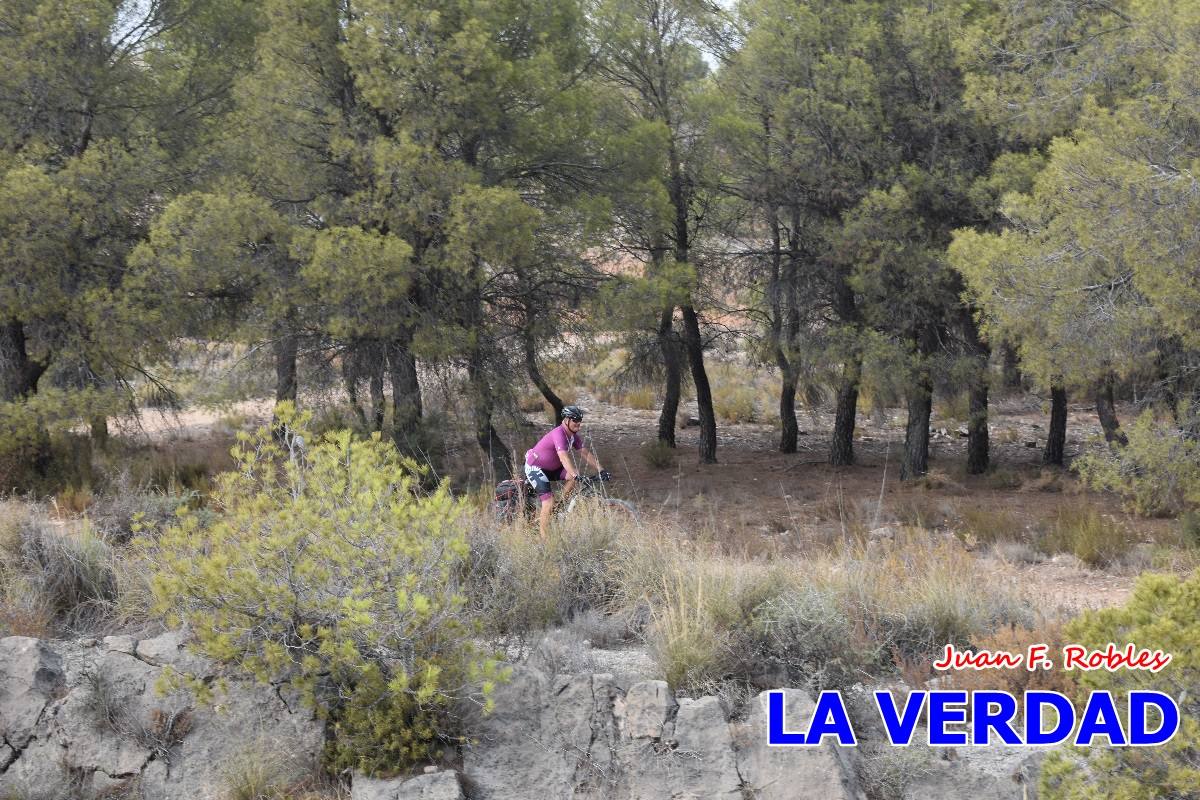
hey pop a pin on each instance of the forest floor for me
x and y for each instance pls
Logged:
(756, 502)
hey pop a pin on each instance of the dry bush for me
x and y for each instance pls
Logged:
(73, 501)
(987, 526)
(1094, 538)
(640, 398)
(827, 621)
(1048, 480)
(954, 410)
(519, 584)
(531, 402)
(1003, 478)
(261, 773)
(1017, 639)
(55, 577)
(659, 454)
(1006, 436)
(734, 402)
(919, 510)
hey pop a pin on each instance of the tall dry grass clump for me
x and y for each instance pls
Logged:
(56, 577)
(827, 621)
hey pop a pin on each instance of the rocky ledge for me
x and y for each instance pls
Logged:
(85, 719)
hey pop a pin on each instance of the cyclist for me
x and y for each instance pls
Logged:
(549, 461)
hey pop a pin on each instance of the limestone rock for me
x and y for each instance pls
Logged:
(168, 650)
(771, 773)
(31, 676)
(86, 721)
(433, 786)
(647, 707)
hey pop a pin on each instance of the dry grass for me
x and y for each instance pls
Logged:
(986, 526)
(62, 577)
(659, 454)
(1096, 539)
(1017, 639)
(828, 620)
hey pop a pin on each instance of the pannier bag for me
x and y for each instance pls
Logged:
(507, 502)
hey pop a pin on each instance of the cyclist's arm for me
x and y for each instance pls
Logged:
(568, 465)
(590, 458)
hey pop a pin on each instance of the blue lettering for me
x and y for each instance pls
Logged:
(829, 719)
(940, 717)
(1100, 719)
(1138, 735)
(1035, 701)
(984, 721)
(900, 727)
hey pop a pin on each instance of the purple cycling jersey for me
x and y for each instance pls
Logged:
(545, 453)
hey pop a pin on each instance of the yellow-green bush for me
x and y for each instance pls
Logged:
(1158, 471)
(1163, 613)
(325, 566)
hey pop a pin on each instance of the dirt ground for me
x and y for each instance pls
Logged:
(756, 501)
(759, 501)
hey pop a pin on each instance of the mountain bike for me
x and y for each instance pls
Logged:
(513, 497)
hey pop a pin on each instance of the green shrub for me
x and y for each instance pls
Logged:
(1093, 538)
(659, 454)
(1163, 613)
(734, 402)
(327, 568)
(1158, 471)
(1189, 528)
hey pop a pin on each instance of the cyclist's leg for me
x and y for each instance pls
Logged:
(539, 483)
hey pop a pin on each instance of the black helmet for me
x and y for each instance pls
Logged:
(572, 412)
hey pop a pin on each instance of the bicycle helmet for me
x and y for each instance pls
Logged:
(572, 412)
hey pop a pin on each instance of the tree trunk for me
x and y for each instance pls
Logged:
(19, 374)
(406, 395)
(99, 429)
(376, 367)
(916, 432)
(535, 375)
(286, 347)
(1010, 366)
(350, 379)
(977, 423)
(1056, 438)
(704, 403)
(1106, 411)
(841, 449)
(499, 457)
(978, 444)
(790, 430)
(668, 343)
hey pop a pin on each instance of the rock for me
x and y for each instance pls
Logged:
(886, 532)
(648, 706)
(120, 644)
(963, 778)
(708, 768)
(84, 722)
(31, 675)
(519, 745)
(433, 786)
(168, 650)
(772, 773)
(1031, 445)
